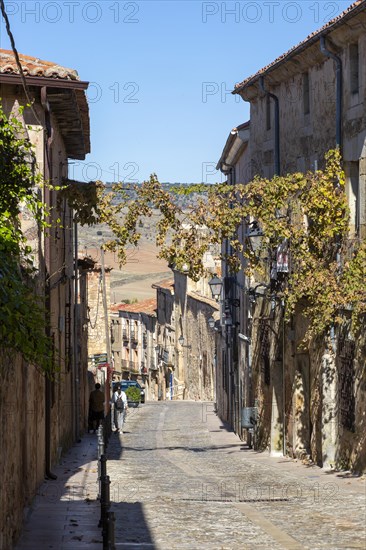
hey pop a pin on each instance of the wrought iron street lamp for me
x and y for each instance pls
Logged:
(216, 285)
(211, 322)
(252, 291)
(181, 343)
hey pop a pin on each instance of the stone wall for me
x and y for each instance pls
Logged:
(311, 401)
(96, 331)
(22, 449)
(86, 385)
(195, 363)
(306, 136)
(200, 363)
(41, 418)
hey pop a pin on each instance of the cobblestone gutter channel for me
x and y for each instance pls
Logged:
(180, 481)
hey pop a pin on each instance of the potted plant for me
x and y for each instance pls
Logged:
(133, 395)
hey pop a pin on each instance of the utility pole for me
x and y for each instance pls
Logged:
(105, 306)
(107, 389)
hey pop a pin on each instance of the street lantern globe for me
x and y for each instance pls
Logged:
(181, 340)
(211, 322)
(216, 287)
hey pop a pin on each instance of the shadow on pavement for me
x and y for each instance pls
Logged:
(65, 512)
(131, 527)
(188, 449)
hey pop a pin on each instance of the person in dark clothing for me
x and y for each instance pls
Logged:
(96, 407)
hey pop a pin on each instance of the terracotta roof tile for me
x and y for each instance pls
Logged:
(198, 296)
(146, 306)
(167, 283)
(352, 10)
(33, 66)
(66, 96)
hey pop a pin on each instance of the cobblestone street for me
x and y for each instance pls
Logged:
(180, 480)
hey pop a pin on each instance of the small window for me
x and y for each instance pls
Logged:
(354, 68)
(306, 93)
(268, 113)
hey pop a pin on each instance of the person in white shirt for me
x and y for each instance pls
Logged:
(119, 400)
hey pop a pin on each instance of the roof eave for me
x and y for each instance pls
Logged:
(234, 147)
(77, 137)
(44, 81)
(243, 87)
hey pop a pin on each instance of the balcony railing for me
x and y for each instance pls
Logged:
(124, 363)
(133, 366)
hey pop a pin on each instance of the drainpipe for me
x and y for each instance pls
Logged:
(231, 171)
(277, 173)
(339, 94)
(232, 182)
(277, 124)
(228, 332)
(233, 412)
(47, 246)
(338, 62)
(284, 447)
(76, 368)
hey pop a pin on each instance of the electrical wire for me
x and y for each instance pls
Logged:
(16, 55)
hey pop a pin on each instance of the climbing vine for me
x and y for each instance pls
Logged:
(22, 318)
(308, 211)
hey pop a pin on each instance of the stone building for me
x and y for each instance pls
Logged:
(309, 100)
(166, 343)
(165, 338)
(98, 335)
(233, 359)
(195, 351)
(310, 403)
(41, 417)
(133, 328)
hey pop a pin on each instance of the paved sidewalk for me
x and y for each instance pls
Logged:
(64, 514)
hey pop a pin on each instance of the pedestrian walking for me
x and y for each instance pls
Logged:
(119, 399)
(96, 407)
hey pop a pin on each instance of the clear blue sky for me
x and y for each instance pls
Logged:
(161, 73)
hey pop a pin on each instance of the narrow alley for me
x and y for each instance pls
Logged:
(181, 480)
(183, 220)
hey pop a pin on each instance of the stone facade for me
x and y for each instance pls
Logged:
(165, 339)
(196, 355)
(22, 452)
(234, 354)
(305, 83)
(133, 333)
(97, 337)
(310, 403)
(41, 417)
(168, 367)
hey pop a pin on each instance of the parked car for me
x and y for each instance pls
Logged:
(127, 384)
